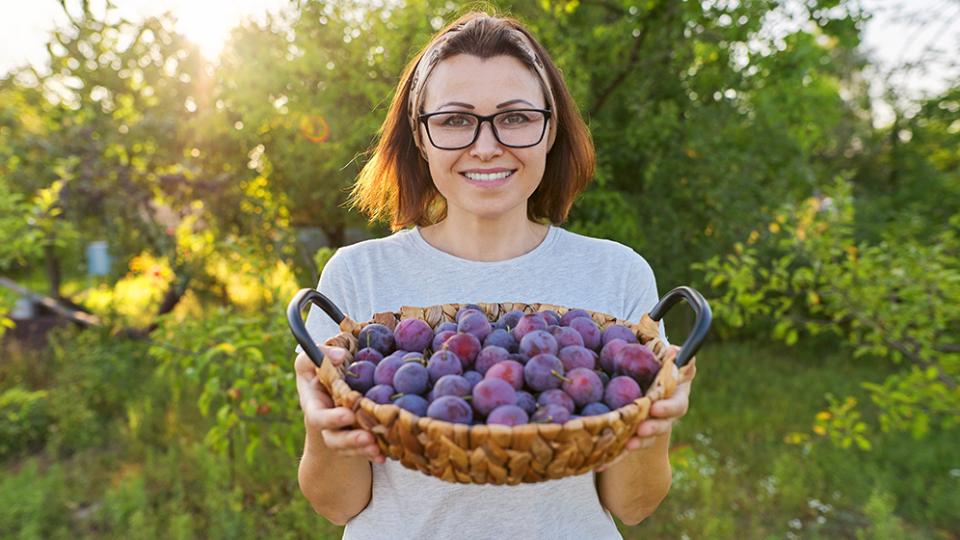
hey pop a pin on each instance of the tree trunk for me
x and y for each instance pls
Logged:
(52, 263)
(336, 235)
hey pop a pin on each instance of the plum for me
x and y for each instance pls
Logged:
(638, 362)
(589, 331)
(543, 372)
(443, 363)
(465, 346)
(538, 342)
(618, 331)
(476, 323)
(508, 370)
(620, 391)
(583, 385)
(413, 335)
(508, 415)
(451, 409)
(489, 394)
(377, 336)
(577, 356)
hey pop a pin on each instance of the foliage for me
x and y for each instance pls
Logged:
(896, 300)
(32, 503)
(227, 364)
(24, 421)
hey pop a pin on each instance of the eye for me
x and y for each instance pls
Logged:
(514, 119)
(456, 120)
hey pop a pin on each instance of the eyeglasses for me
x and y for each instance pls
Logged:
(516, 128)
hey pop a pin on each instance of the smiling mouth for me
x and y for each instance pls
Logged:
(488, 177)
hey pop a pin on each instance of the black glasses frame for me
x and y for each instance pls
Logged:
(480, 120)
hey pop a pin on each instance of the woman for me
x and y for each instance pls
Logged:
(484, 152)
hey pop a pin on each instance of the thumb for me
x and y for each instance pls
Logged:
(337, 355)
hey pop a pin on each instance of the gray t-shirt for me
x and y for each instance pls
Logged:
(565, 269)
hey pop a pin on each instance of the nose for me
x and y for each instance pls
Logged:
(486, 146)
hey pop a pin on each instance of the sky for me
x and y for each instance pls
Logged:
(900, 31)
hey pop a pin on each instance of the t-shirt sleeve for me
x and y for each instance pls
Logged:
(336, 283)
(642, 292)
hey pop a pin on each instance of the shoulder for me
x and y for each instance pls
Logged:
(398, 241)
(608, 252)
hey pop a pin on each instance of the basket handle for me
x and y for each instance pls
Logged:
(301, 300)
(701, 324)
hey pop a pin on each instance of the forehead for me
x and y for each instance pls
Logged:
(481, 82)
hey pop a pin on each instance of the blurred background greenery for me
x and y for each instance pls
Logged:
(739, 150)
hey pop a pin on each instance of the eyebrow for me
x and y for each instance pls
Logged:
(471, 107)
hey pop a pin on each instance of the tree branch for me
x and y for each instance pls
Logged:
(645, 22)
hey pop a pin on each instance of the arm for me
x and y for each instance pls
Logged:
(334, 474)
(338, 488)
(635, 484)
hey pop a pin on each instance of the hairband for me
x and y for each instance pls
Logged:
(431, 57)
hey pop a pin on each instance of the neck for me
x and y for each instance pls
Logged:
(485, 240)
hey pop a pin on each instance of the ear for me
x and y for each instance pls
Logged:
(551, 135)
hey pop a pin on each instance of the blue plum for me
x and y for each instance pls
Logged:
(489, 394)
(589, 331)
(538, 342)
(381, 393)
(620, 391)
(411, 378)
(501, 338)
(451, 409)
(368, 354)
(543, 372)
(413, 335)
(476, 323)
(508, 415)
(413, 403)
(577, 356)
(443, 363)
(359, 375)
(618, 331)
(377, 336)
(583, 385)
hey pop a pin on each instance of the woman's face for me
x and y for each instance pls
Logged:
(470, 179)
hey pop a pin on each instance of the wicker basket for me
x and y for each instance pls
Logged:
(494, 454)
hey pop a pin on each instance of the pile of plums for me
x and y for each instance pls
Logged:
(534, 367)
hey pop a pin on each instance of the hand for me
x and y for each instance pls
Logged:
(322, 418)
(663, 413)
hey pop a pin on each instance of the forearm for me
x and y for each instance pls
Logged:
(338, 488)
(634, 487)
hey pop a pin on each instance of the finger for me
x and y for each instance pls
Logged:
(337, 355)
(355, 440)
(333, 418)
(312, 394)
(654, 428)
(674, 407)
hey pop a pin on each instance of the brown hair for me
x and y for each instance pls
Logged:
(395, 184)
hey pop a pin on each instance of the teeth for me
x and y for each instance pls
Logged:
(487, 177)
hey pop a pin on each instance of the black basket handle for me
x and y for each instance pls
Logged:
(301, 300)
(701, 324)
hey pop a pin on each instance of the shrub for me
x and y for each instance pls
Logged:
(24, 421)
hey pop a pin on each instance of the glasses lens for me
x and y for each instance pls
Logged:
(514, 128)
(452, 130)
(519, 128)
